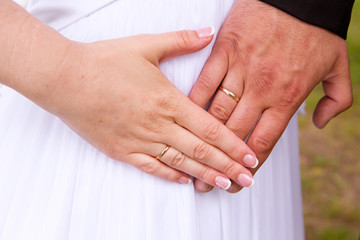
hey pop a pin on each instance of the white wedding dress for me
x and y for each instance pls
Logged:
(54, 185)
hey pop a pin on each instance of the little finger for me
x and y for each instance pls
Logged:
(156, 168)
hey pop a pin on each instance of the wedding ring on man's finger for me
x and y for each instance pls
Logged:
(163, 152)
(230, 94)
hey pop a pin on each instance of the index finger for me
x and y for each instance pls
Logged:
(209, 129)
(210, 77)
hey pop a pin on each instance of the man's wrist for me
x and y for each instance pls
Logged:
(333, 15)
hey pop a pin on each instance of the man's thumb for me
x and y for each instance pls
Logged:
(338, 98)
(172, 44)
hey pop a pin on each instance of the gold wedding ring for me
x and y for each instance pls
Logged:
(163, 152)
(230, 94)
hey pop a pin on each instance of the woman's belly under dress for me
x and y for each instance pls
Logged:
(54, 185)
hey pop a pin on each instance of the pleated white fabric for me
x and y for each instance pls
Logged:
(54, 185)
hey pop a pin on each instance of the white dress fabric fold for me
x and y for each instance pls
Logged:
(54, 185)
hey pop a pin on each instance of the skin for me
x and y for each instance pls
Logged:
(271, 61)
(113, 95)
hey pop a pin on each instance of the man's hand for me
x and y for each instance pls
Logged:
(271, 61)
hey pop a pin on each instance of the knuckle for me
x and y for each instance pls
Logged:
(292, 96)
(167, 103)
(234, 46)
(236, 130)
(232, 42)
(224, 51)
(239, 129)
(219, 112)
(151, 124)
(205, 174)
(149, 167)
(230, 169)
(261, 145)
(347, 102)
(156, 121)
(201, 152)
(212, 132)
(177, 160)
(185, 38)
(268, 75)
(205, 81)
(235, 151)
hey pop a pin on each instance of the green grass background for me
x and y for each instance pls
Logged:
(330, 165)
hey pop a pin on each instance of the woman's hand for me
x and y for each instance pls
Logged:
(113, 94)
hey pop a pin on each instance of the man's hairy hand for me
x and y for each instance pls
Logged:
(271, 61)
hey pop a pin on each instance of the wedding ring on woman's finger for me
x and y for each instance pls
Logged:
(178, 160)
(230, 94)
(163, 152)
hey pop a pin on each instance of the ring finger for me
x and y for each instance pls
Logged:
(227, 96)
(211, 157)
(178, 160)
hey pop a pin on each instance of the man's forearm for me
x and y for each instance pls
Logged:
(333, 15)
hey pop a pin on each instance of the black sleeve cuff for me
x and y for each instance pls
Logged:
(333, 15)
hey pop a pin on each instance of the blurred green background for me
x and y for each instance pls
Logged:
(329, 160)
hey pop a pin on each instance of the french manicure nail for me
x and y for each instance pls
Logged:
(222, 182)
(184, 180)
(245, 180)
(251, 161)
(206, 32)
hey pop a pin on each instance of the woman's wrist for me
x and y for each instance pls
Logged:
(33, 54)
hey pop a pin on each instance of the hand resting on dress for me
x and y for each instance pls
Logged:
(113, 95)
(120, 102)
(271, 61)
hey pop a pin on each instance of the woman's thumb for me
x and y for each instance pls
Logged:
(172, 44)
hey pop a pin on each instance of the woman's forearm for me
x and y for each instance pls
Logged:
(32, 53)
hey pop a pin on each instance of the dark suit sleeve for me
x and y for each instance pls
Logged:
(333, 15)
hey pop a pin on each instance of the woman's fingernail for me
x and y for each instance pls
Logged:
(251, 161)
(184, 180)
(245, 180)
(206, 32)
(222, 182)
